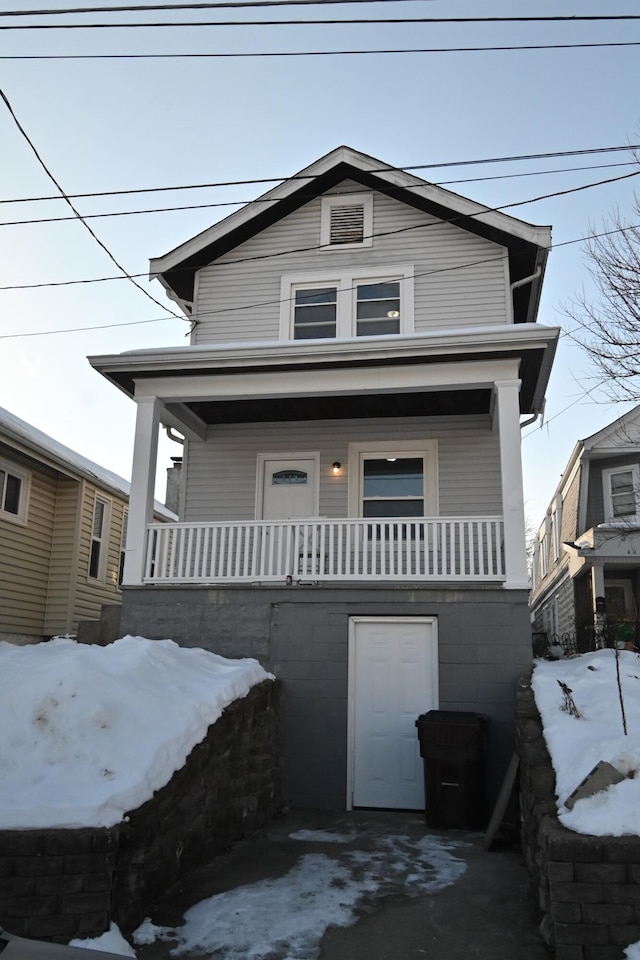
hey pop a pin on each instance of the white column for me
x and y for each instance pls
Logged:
(507, 420)
(143, 475)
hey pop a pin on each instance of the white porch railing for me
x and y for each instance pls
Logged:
(443, 548)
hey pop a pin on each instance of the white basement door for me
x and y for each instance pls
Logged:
(393, 679)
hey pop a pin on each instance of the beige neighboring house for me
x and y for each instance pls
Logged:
(63, 523)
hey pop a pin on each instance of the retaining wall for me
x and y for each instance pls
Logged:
(588, 888)
(60, 884)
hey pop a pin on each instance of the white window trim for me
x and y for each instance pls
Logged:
(372, 450)
(346, 279)
(346, 200)
(25, 488)
(606, 490)
(104, 539)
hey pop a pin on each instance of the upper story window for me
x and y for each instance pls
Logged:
(621, 489)
(99, 539)
(347, 220)
(345, 304)
(14, 492)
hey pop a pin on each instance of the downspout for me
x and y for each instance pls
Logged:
(514, 286)
(526, 423)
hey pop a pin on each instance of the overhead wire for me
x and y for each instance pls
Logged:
(350, 21)
(223, 4)
(77, 214)
(435, 223)
(386, 168)
(237, 203)
(230, 55)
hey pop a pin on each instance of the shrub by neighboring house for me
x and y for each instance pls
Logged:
(63, 523)
(363, 346)
(586, 559)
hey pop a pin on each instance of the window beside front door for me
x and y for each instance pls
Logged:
(393, 487)
(621, 489)
(393, 479)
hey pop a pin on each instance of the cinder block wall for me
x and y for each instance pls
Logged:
(301, 634)
(588, 888)
(60, 884)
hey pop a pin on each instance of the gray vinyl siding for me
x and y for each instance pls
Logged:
(25, 551)
(221, 471)
(240, 301)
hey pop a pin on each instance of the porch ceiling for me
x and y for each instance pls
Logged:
(276, 410)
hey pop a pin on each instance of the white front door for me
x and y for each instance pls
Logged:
(393, 678)
(289, 487)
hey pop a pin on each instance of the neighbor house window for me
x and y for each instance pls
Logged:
(347, 220)
(346, 304)
(14, 485)
(621, 488)
(123, 544)
(99, 535)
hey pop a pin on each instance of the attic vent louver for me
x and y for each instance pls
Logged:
(347, 224)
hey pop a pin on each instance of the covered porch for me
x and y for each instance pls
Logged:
(495, 374)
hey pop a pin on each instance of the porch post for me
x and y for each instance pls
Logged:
(143, 474)
(507, 420)
(599, 614)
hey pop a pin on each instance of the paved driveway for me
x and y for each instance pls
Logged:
(356, 886)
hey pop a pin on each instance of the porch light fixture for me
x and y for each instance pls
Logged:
(335, 466)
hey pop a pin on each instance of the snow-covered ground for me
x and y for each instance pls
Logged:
(577, 743)
(90, 732)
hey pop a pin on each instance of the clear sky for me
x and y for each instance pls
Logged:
(125, 124)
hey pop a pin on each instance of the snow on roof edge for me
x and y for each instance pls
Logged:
(40, 442)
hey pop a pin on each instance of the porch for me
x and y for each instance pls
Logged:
(465, 549)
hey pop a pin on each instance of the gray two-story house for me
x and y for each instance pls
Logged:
(586, 560)
(364, 345)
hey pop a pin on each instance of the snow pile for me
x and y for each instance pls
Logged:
(88, 733)
(577, 744)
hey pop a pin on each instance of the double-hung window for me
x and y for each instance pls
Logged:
(99, 539)
(393, 479)
(621, 490)
(14, 486)
(343, 304)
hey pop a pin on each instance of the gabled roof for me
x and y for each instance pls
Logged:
(22, 436)
(527, 245)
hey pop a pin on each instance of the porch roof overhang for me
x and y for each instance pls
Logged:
(417, 375)
(614, 546)
(527, 244)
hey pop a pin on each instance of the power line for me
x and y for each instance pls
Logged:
(224, 4)
(387, 168)
(236, 203)
(76, 212)
(66, 283)
(352, 21)
(318, 53)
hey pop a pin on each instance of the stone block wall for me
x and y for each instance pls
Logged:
(588, 888)
(60, 884)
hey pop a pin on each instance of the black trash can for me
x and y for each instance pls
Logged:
(453, 746)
